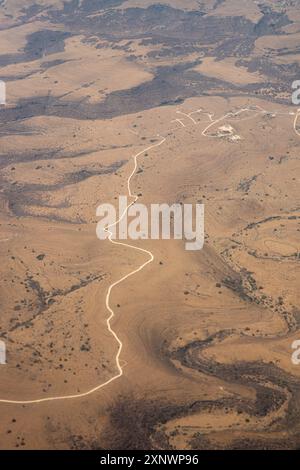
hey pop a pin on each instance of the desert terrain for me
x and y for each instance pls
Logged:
(153, 347)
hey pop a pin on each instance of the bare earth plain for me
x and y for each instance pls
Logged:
(201, 92)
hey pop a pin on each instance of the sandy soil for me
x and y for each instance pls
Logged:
(207, 336)
(227, 70)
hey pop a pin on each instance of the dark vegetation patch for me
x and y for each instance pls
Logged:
(21, 196)
(246, 183)
(39, 44)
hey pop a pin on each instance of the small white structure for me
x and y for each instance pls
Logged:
(2, 93)
(2, 353)
(228, 132)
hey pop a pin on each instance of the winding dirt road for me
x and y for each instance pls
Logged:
(150, 259)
